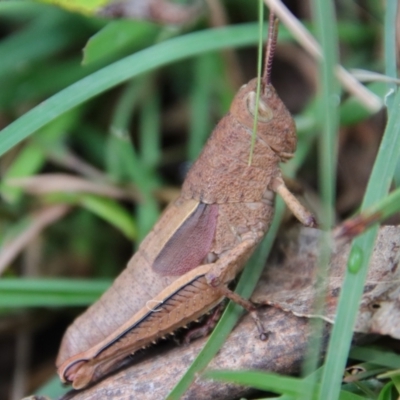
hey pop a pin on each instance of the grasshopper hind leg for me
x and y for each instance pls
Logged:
(207, 326)
(249, 307)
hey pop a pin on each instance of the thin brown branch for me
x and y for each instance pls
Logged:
(372, 102)
(49, 183)
(39, 221)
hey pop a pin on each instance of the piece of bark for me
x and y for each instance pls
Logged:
(155, 377)
(286, 286)
(289, 285)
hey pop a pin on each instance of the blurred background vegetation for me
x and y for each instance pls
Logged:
(111, 150)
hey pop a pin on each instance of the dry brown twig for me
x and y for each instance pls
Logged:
(372, 102)
(39, 221)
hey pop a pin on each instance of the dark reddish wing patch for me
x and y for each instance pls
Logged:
(188, 246)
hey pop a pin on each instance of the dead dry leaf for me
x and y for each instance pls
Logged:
(161, 11)
(50, 183)
(289, 284)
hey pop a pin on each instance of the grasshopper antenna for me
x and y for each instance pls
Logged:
(270, 51)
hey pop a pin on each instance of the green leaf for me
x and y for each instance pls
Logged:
(29, 160)
(202, 90)
(18, 53)
(376, 356)
(82, 6)
(53, 388)
(111, 212)
(30, 292)
(387, 393)
(352, 111)
(120, 71)
(263, 381)
(352, 289)
(275, 383)
(119, 37)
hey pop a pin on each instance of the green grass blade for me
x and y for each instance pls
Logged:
(391, 62)
(32, 292)
(263, 381)
(53, 388)
(149, 136)
(29, 160)
(21, 9)
(380, 211)
(202, 88)
(259, 73)
(41, 80)
(123, 163)
(123, 159)
(293, 387)
(117, 37)
(149, 131)
(17, 49)
(111, 211)
(120, 71)
(387, 392)
(327, 33)
(375, 355)
(325, 20)
(351, 109)
(390, 49)
(245, 287)
(396, 382)
(378, 186)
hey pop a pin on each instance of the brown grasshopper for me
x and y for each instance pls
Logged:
(183, 267)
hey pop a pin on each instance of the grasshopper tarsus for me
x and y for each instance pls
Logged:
(299, 211)
(264, 336)
(311, 222)
(248, 306)
(263, 333)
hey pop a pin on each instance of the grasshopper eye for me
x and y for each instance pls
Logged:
(265, 114)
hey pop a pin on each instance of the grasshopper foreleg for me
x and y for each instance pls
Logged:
(299, 211)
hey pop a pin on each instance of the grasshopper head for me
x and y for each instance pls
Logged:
(275, 125)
